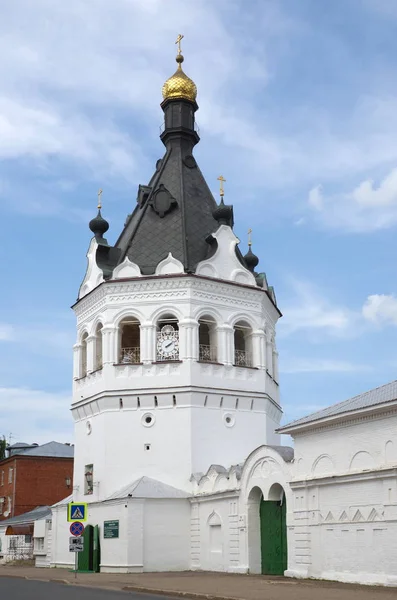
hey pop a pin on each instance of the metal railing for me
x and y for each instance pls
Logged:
(207, 353)
(242, 358)
(130, 356)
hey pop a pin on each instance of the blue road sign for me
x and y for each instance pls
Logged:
(76, 529)
(77, 511)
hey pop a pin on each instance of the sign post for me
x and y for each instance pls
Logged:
(76, 543)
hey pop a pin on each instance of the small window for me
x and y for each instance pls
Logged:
(2, 478)
(28, 539)
(38, 544)
(10, 475)
(88, 479)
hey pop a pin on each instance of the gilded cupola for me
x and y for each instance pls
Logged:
(179, 85)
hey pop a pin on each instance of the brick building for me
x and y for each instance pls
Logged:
(34, 476)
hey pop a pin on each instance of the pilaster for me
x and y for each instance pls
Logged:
(91, 339)
(109, 345)
(188, 339)
(148, 342)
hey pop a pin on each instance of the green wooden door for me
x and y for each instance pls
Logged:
(96, 550)
(273, 537)
(85, 558)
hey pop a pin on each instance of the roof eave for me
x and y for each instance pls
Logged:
(335, 419)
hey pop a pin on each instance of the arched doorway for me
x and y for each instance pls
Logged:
(273, 527)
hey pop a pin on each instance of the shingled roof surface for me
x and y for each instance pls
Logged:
(379, 395)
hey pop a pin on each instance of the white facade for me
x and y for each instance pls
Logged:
(344, 498)
(218, 410)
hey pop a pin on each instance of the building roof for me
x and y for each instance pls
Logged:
(377, 396)
(145, 487)
(33, 515)
(175, 211)
(51, 449)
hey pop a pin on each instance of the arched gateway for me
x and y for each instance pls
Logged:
(273, 528)
(267, 493)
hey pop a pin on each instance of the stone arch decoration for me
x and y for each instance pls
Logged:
(362, 460)
(323, 465)
(214, 519)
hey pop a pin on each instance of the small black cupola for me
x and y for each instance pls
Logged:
(98, 224)
(251, 260)
(223, 213)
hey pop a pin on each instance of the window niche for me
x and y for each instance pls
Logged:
(129, 341)
(207, 340)
(88, 479)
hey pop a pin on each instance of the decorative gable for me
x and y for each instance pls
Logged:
(224, 264)
(93, 275)
(126, 270)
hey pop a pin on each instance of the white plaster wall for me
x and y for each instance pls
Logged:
(116, 448)
(344, 520)
(215, 442)
(215, 542)
(166, 535)
(60, 555)
(364, 444)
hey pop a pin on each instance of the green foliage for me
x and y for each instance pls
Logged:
(3, 445)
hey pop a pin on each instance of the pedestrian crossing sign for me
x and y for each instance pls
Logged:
(77, 511)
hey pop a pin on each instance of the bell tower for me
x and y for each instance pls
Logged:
(175, 364)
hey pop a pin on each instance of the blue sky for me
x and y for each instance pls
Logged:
(297, 111)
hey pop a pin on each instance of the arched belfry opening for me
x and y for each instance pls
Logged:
(167, 338)
(129, 341)
(83, 355)
(98, 356)
(207, 340)
(242, 344)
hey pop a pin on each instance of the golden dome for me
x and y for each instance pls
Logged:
(180, 85)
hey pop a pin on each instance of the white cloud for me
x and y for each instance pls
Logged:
(381, 309)
(75, 78)
(316, 365)
(368, 207)
(6, 332)
(312, 312)
(46, 415)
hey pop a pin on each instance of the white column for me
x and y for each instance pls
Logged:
(77, 361)
(225, 335)
(109, 345)
(90, 353)
(269, 354)
(188, 339)
(262, 348)
(258, 341)
(148, 342)
(275, 366)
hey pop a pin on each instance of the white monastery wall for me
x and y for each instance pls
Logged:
(166, 527)
(215, 543)
(60, 555)
(344, 523)
(365, 444)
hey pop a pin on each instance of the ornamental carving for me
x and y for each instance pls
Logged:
(162, 201)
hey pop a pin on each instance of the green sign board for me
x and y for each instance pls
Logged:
(110, 529)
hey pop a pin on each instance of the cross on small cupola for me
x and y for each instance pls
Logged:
(223, 213)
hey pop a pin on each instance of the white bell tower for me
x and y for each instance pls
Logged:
(175, 365)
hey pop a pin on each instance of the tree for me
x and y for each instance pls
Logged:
(3, 446)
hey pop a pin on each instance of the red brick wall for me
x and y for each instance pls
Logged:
(7, 489)
(39, 481)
